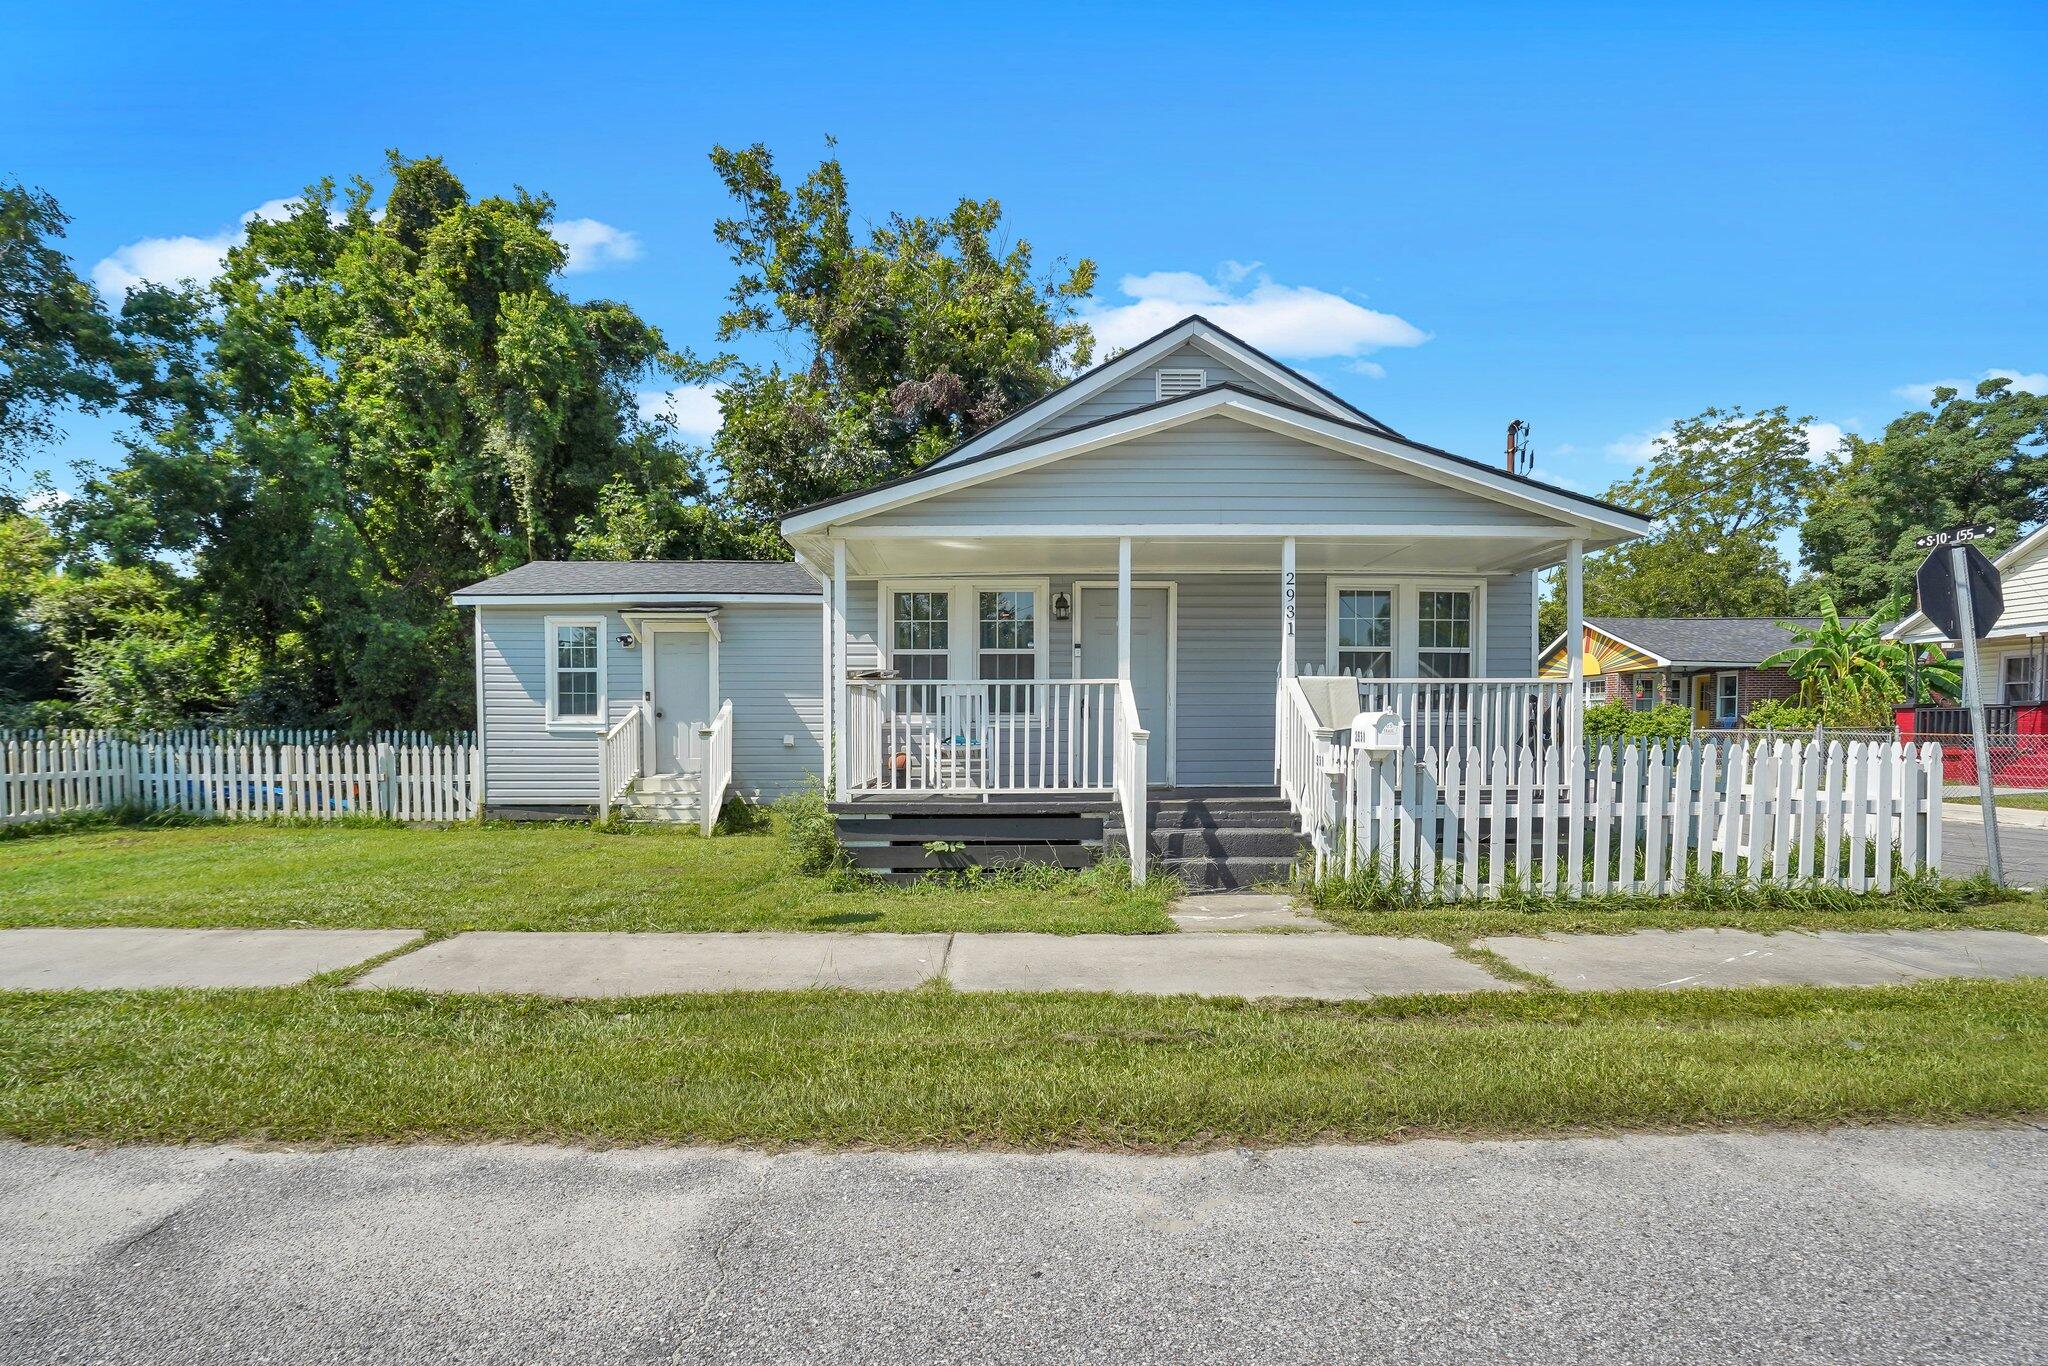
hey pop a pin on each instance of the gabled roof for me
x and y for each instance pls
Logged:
(1193, 329)
(1230, 400)
(643, 581)
(2024, 552)
(1698, 642)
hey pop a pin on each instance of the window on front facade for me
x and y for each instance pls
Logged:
(1007, 645)
(2021, 678)
(1727, 697)
(1365, 632)
(918, 633)
(575, 671)
(1443, 633)
(1643, 693)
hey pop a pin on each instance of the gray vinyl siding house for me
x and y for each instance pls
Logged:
(1190, 522)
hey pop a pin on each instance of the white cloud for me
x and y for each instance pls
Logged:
(593, 245)
(171, 260)
(691, 409)
(2035, 383)
(1636, 447)
(1371, 369)
(44, 500)
(1824, 440)
(1294, 321)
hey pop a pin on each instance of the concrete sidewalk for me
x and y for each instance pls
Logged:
(1329, 967)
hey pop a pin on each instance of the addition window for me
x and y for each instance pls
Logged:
(1443, 633)
(575, 671)
(2022, 679)
(1365, 632)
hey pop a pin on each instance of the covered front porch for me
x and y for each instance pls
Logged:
(986, 665)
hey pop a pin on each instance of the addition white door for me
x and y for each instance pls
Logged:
(1151, 660)
(682, 696)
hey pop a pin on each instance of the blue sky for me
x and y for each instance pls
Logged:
(1594, 218)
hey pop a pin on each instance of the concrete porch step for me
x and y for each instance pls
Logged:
(1228, 874)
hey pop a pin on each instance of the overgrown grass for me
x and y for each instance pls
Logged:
(514, 877)
(938, 1068)
(1370, 902)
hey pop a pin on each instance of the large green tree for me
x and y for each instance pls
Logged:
(58, 347)
(372, 405)
(1978, 458)
(899, 342)
(1723, 487)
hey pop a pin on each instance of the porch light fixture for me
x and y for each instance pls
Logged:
(627, 640)
(1062, 607)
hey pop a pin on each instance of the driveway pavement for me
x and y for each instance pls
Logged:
(1857, 1246)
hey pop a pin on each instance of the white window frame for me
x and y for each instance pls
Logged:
(1474, 622)
(964, 646)
(1407, 604)
(550, 631)
(1333, 625)
(1731, 679)
(887, 604)
(2006, 681)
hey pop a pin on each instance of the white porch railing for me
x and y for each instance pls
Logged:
(1473, 713)
(1305, 755)
(1132, 743)
(618, 761)
(1054, 735)
(714, 748)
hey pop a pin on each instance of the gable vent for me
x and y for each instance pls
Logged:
(1174, 383)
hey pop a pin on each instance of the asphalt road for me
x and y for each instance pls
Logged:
(1875, 1245)
(2022, 849)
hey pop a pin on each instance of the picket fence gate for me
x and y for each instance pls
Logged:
(1461, 824)
(40, 779)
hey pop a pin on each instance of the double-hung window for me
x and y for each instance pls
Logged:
(1365, 632)
(1006, 645)
(575, 656)
(920, 634)
(1727, 697)
(1443, 633)
(2021, 678)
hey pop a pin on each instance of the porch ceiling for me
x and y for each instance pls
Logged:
(1418, 550)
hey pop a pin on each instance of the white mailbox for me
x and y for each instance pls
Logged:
(1376, 734)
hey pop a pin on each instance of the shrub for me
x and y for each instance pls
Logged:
(809, 834)
(1778, 714)
(1620, 721)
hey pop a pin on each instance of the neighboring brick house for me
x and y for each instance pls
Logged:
(1709, 664)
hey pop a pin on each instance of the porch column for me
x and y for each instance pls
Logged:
(1288, 665)
(838, 739)
(1575, 645)
(826, 691)
(1123, 607)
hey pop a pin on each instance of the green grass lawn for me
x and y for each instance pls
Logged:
(505, 877)
(939, 1068)
(2024, 801)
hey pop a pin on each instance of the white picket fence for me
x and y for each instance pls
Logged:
(1460, 824)
(40, 779)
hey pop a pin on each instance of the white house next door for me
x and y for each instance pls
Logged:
(682, 696)
(1151, 659)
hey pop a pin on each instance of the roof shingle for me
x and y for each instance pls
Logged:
(654, 578)
(1707, 640)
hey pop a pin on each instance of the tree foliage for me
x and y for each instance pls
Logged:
(898, 344)
(363, 412)
(1960, 459)
(1852, 674)
(57, 345)
(1723, 487)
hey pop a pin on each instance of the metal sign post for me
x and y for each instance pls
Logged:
(1973, 698)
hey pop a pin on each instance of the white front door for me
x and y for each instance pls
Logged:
(1151, 660)
(682, 696)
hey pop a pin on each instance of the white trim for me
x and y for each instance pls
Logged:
(1407, 615)
(1182, 374)
(1190, 331)
(1735, 714)
(1336, 586)
(1271, 531)
(483, 747)
(1172, 657)
(635, 599)
(550, 657)
(651, 683)
(1342, 437)
(963, 647)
